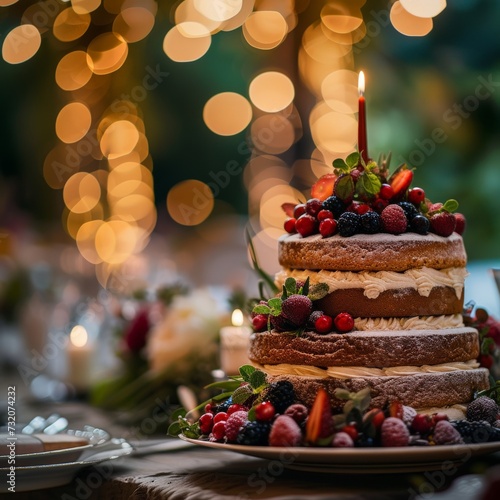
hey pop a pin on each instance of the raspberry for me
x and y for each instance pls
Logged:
(416, 195)
(420, 224)
(206, 422)
(370, 223)
(460, 223)
(394, 219)
(445, 433)
(299, 210)
(281, 394)
(259, 322)
(476, 432)
(344, 322)
(394, 432)
(408, 414)
(483, 408)
(313, 206)
(233, 424)
(285, 432)
(443, 223)
(298, 412)
(335, 205)
(348, 224)
(297, 309)
(323, 324)
(327, 227)
(289, 225)
(254, 433)
(306, 225)
(342, 440)
(264, 411)
(312, 319)
(409, 210)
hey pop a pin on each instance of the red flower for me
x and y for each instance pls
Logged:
(137, 331)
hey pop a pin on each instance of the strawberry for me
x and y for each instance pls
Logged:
(319, 424)
(375, 417)
(288, 208)
(443, 223)
(460, 223)
(400, 181)
(394, 219)
(396, 410)
(323, 187)
(297, 309)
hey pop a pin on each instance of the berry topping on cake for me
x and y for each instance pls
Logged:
(410, 211)
(416, 195)
(393, 219)
(370, 223)
(259, 322)
(314, 206)
(281, 395)
(265, 411)
(344, 322)
(328, 227)
(324, 214)
(299, 210)
(285, 432)
(420, 224)
(306, 225)
(335, 205)
(400, 181)
(422, 423)
(348, 224)
(297, 309)
(323, 324)
(482, 408)
(460, 223)
(386, 192)
(443, 223)
(394, 432)
(289, 225)
(445, 433)
(323, 188)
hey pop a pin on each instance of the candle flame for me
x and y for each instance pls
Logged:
(78, 336)
(361, 83)
(237, 317)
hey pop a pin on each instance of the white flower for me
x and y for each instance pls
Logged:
(188, 331)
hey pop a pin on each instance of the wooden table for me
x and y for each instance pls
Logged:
(204, 474)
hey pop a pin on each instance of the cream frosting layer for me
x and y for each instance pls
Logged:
(374, 283)
(413, 323)
(346, 372)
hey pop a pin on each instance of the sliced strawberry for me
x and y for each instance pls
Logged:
(323, 187)
(320, 422)
(400, 181)
(288, 208)
(396, 410)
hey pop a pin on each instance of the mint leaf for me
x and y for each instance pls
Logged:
(344, 187)
(352, 160)
(258, 379)
(246, 371)
(261, 309)
(291, 286)
(275, 306)
(450, 206)
(305, 288)
(251, 414)
(341, 165)
(342, 394)
(318, 291)
(242, 394)
(368, 184)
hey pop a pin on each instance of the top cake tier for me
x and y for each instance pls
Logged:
(372, 252)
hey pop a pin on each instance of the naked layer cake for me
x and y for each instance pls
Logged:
(371, 294)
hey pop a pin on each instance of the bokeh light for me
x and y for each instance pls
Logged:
(190, 202)
(69, 25)
(134, 23)
(265, 29)
(21, 44)
(108, 52)
(188, 41)
(227, 113)
(221, 10)
(424, 8)
(409, 24)
(271, 91)
(73, 70)
(81, 192)
(73, 122)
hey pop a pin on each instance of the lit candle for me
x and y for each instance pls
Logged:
(80, 354)
(234, 344)
(362, 138)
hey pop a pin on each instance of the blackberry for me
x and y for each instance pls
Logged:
(223, 406)
(420, 224)
(254, 433)
(476, 432)
(483, 408)
(409, 210)
(335, 205)
(281, 394)
(348, 224)
(370, 223)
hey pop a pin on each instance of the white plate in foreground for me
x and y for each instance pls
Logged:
(362, 460)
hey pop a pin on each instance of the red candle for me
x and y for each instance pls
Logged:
(362, 139)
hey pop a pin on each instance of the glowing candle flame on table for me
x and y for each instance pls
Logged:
(234, 344)
(362, 137)
(79, 357)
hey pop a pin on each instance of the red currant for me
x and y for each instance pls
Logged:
(306, 225)
(299, 210)
(416, 195)
(289, 225)
(437, 417)
(264, 411)
(327, 227)
(234, 408)
(219, 430)
(323, 324)
(220, 417)
(209, 408)
(344, 322)
(259, 322)
(351, 430)
(422, 423)
(206, 422)
(386, 192)
(324, 214)
(379, 204)
(314, 206)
